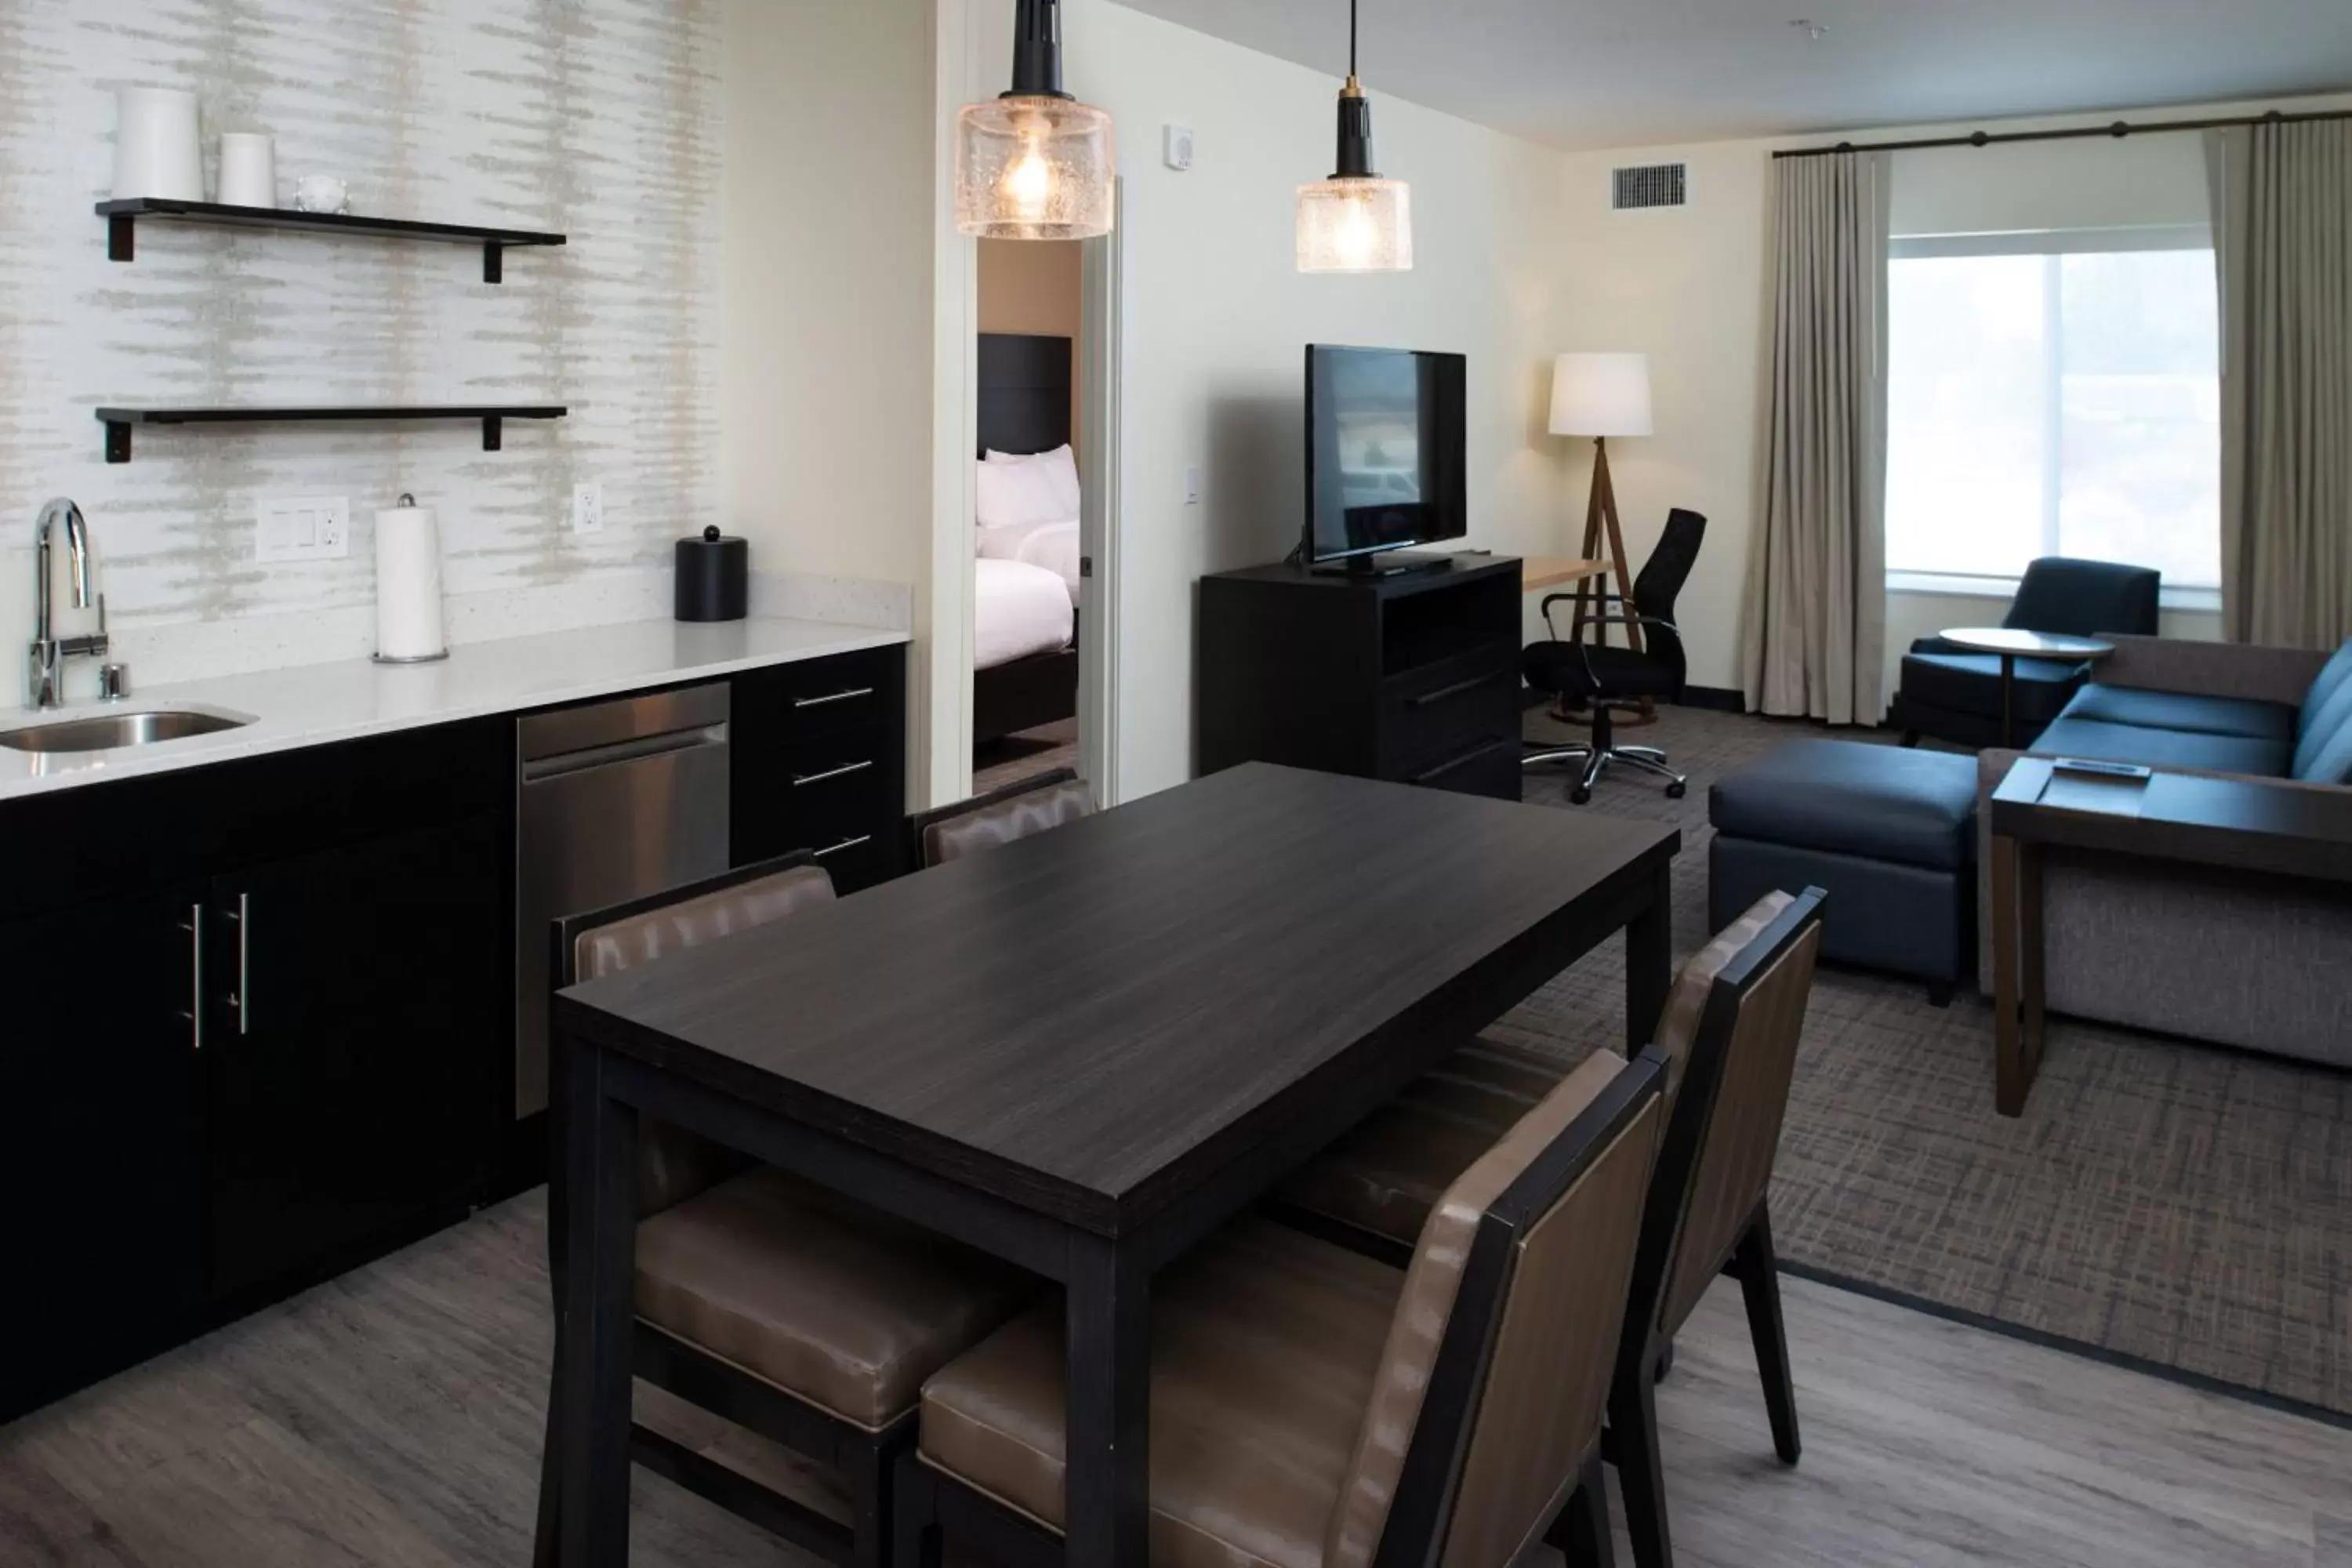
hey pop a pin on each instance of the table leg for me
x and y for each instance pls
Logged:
(2008, 1066)
(1649, 964)
(2034, 992)
(593, 1383)
(1108, 1480)
(2007, 700)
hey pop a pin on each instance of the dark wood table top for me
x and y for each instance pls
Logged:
(2257, 824)
(1082, 1021)
(2027, 644)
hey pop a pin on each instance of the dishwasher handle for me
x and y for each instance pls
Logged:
(540, 769)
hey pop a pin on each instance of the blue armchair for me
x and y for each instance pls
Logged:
(1953, 695)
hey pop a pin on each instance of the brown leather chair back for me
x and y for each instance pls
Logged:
(1016, 811)
(1744, 1022)
(674, 1165)
(1491, 1388)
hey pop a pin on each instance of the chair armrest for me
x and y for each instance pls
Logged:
(2282, 675)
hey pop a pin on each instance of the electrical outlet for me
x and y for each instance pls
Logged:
(302, 528)
(1193, 485)
(588, 507)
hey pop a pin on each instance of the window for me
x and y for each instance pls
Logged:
(2054, 395)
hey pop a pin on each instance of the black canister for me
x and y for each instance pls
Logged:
(714, 577)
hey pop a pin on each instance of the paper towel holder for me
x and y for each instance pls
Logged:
(406, 501)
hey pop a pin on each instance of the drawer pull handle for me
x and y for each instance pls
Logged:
(195, 1013)
(1457, 689)
(845, 844)
(836, 697)
(842, 771)
(1464, 760)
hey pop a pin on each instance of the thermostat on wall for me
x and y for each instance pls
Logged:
(1179, 151)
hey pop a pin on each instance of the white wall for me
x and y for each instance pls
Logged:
(1691, 288)
(1218, 317)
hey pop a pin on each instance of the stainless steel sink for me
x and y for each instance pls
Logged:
(110, 731)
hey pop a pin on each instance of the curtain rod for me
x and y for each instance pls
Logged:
(2119, 130)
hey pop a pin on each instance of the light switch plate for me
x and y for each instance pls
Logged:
(302, 528)
(1178, 148)
(1193, 485)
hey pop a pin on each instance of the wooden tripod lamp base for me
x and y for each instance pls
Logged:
(1600, 396)
(1601, 528)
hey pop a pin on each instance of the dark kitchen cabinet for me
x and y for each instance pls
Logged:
(99, 1084)
(820, 764)
(355, 1012)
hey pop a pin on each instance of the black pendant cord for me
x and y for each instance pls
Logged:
(1355, 161)
(1353, 25)
(1037, 50)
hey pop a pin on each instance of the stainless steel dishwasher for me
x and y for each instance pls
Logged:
(617, 801)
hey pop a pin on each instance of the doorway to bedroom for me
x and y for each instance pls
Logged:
(1029, 572)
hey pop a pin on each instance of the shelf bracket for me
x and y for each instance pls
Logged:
(494, 263)
(121, 241)
(118, 441)
(493, 433)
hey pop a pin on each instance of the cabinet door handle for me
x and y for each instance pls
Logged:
(1456, 764)
(845, 844)
(195, 1013)
(836, 697)
(840, 772)
(243, 1000)
(1457, 689)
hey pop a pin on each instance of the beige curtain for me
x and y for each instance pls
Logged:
(2283, 236)
(1815, 617)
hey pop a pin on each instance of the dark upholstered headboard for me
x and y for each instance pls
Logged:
(1024, 393)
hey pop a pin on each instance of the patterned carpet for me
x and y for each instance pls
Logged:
(2160, 1201)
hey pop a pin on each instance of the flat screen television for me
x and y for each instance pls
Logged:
(1386, 458)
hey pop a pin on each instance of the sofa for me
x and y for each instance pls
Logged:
(1951, 694)
(2237, 958)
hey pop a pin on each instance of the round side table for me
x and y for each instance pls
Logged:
(2012, 645)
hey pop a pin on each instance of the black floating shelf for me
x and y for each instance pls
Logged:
(493, 415)
(121, 219)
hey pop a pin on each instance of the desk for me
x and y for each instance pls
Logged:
(2012, 644)
(1082, 1052)
(1537, 572)
(2249, 824)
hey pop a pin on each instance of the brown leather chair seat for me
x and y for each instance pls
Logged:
(1384, 1177)
(838, 1305)
(1264, 1345)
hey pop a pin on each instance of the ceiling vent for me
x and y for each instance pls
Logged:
(1649, 186)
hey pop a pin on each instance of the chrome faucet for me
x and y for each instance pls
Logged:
(44, 671)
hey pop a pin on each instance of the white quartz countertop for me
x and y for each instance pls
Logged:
(313, 705)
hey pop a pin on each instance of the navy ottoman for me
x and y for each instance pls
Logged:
(1890, 833)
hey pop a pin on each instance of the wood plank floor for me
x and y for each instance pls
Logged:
(393, 1417)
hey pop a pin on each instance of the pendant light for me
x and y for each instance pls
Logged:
(1035, 163)
(1355, 221)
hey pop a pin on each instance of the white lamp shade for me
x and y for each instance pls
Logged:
(1601, 395)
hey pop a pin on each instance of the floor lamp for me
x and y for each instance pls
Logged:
(1600, 396)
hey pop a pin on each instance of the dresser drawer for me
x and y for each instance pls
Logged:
(1431, 713)
(825, 696)
(1489, 765)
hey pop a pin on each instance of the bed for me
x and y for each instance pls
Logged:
(1021, 677)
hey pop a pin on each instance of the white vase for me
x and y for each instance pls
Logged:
(156, 149)
(249, 170)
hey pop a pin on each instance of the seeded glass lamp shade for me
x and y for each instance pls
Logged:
(1355, 221)
(1035, 163)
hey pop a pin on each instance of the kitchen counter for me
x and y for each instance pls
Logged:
(317, 704)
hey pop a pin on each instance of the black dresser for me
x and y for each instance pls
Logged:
(1413, 677)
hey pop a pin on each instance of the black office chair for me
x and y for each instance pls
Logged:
(1600, 675)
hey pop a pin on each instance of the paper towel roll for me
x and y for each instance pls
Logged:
(156, 153)
(408, 586)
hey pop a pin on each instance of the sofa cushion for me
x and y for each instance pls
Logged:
(2331, 764)
(1918, 808)
(2320, 726)
(1970, 683)
(2191, 712)
(2101, 741)
(2333, 676)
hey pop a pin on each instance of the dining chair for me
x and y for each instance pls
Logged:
(1000, 817)
(1729, 1033)
(1311, 1405)
(761, 1299)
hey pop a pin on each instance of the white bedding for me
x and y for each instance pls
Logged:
(1018, 610)
(1052, 545)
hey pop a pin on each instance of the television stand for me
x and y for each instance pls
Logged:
(1395, 563)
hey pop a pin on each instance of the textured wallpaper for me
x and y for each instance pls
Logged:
(598, 118)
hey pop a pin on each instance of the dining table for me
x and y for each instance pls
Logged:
(1082, 1052)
